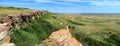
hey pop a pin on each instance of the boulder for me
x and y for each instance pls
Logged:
(35, 14)
(17, 19)
(1, 19)
(8, 19)
(25, 18)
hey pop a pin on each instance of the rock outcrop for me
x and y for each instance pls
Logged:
(7, 22)
(4, 35)
(21, 17)
(61, 38)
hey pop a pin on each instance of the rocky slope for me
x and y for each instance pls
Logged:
(7, 23)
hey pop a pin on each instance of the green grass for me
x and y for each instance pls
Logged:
(5, 10)
(13, 8)
(34, 33)
(97, 30)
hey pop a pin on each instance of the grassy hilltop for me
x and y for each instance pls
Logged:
(90, 30)
(12, 10)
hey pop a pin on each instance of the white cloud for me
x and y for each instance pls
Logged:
(98, 2)
(20, 3)
(40, 1)
(50, 1)
(73, 2)
(106, 3)
(43, 0)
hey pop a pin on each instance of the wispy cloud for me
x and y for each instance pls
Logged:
(91, 2)
(73, 2)
(40, 1)
(15, 3)
(51, 1)
(106, 3)
(97, 2)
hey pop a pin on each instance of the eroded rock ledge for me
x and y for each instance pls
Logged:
(61, 38)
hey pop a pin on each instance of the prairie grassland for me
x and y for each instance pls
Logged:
(90, 30)
(100, 30)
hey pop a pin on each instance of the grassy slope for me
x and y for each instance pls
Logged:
(96, 30)
(90, 30)
(34, 33)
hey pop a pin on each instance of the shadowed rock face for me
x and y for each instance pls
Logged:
(19, 18)
(62, 38)
(1, 19)
(8, 19)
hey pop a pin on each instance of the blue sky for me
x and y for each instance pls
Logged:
(67, 6)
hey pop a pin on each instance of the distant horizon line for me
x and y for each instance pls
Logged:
(85, 13)
(64, 12)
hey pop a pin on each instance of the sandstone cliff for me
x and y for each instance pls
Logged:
(61, 38)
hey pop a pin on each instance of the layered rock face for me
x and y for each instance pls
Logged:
(61, 38)
(21, 17)
(4, 35)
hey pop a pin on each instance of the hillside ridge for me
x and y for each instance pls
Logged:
(7, 23)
